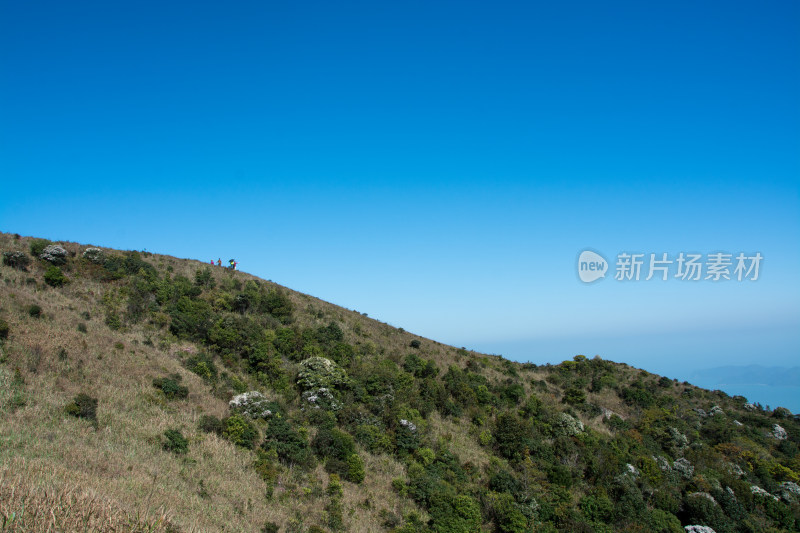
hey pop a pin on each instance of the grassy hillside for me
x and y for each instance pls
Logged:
(123, 408)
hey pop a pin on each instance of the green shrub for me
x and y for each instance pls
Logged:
(637, 394)
(266, 363)
(506, 514)
(37, 246)
(83, 406)
(663, 522)
(330, 334)
(82, 328)
(665, 382)
(617, 423)
(270, 527)
(334, 485)
(278, 304)
(203, 278)
(699, 509)
(191, 319)
(113, 321)
(34, 311)
(266, 465)
(291, 447)
(415, 344)
(203, 365)
(406, 438)
(334, 509)
(355, 469)
(454, 513)
(419, 367)
(4, 329)
(175, 442)
(240, 431)
(211, 424)
(574, 396)
(133, 264)
(333, 442)
(425, 456)
(510, 436)
(374, 438)
(597, 507)
(54, 276)
(511, 393)
(171, 387)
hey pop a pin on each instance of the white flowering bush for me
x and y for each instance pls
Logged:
(568, 425)
(16, 260)
(705, 495)
(252, 404)
(679, 440)
(663, 463)
(55, 254)
(684, 467)
(758, 491)
(789, 491)
(321, 398)
(698, 529)
(779, 433)
(94, 255)
(319, 372)
(408, 424)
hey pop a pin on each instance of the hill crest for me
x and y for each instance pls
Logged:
(369, 428)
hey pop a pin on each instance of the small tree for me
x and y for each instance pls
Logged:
(355, 468)
(55, 277)
(175, 442)
(240, 431)
(83, 406)
(37, 246)
(171, 387)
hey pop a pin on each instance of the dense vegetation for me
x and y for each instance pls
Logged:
(319, 402)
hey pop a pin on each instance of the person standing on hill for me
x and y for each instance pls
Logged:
(219, 262)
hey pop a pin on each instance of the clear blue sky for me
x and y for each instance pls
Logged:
(436, 165)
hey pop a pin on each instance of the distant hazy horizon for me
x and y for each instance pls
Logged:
(707, 359)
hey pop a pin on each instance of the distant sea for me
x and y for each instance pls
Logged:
(725, 358)
(769, 386)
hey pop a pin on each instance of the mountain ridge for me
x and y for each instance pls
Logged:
(119, 369)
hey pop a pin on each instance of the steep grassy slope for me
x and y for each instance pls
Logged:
(358, 427)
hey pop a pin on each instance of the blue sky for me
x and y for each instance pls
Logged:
(439, 167)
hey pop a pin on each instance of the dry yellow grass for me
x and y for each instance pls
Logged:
(36, 497)
(117, 477)
(69, 476)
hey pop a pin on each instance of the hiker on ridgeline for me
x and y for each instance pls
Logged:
(212, 262)
(232, 264)
(219, 262)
